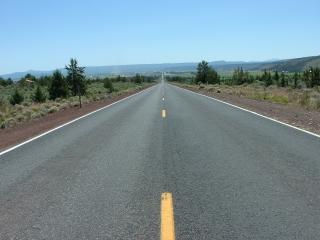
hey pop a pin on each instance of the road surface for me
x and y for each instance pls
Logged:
(232, 174)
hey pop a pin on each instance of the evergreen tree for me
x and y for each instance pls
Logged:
(39, 96)
(138, 79)
(206, 74)
(16, 97)
(307, 78)
(108, 84)
(283, 82)
(58, 87)
(314, 75)
(213, 76)
(202, 72)
(296, 77)
(276, 78)
(76, 79)
(266, 78)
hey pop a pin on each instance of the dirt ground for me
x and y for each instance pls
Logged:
(299, 117)
(27, 130)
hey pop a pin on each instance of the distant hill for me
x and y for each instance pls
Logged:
(290, 65)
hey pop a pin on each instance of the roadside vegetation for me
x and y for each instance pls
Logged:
(296, 88)
(32, 97)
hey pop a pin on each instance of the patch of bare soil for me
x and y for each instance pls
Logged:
(296, 116)
(27, 130)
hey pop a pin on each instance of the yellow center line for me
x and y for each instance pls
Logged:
(163, 113)
(167, 217)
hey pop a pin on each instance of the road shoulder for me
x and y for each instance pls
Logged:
(295, 116)
(27, 130)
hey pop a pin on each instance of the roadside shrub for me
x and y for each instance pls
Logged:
(138, 79)
(39, 96)
(2, 101)
(35, 115)
(20, 117)
(305, 99)
(279, 99)
(53, 109)
(108, 84)
(10, 122)
(16, 98)
(74, 104)
(27, 114)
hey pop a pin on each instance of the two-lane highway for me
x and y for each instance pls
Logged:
(232, 174)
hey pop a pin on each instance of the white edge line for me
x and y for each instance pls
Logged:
(255, 113)
(72, 121)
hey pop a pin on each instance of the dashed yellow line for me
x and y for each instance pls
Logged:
(167, 217)
(164, 113)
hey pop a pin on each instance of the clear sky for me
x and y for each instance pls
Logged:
(44, 34)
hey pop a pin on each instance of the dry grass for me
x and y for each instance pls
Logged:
(306, 98)
(13, 115)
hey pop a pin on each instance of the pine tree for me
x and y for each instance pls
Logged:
(58, 87)
(108, 84)
(283, 80)
(206, 74)
(76, 79)
(39, 96)
(202, 72)
(296, 77)
(16, 97)
(276, 78)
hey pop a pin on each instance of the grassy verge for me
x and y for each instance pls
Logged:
(305, 98)
(12, 115)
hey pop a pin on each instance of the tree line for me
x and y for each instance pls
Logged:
(309, 78)
(207, 75)
(59, 86)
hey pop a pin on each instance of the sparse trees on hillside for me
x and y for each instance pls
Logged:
(240, 77)
(283, 80)
(312, 77)
(266, 78)
(296, 77)
(76, 79)
(5, 83)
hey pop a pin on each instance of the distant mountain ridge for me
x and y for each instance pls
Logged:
(290, 65)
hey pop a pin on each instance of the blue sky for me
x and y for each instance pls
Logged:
(44, 34)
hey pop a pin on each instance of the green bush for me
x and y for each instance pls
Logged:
(39, 96)
(16, 97)
(138, 79)
(108, 84)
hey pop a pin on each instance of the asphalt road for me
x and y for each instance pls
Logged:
(233, 175)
